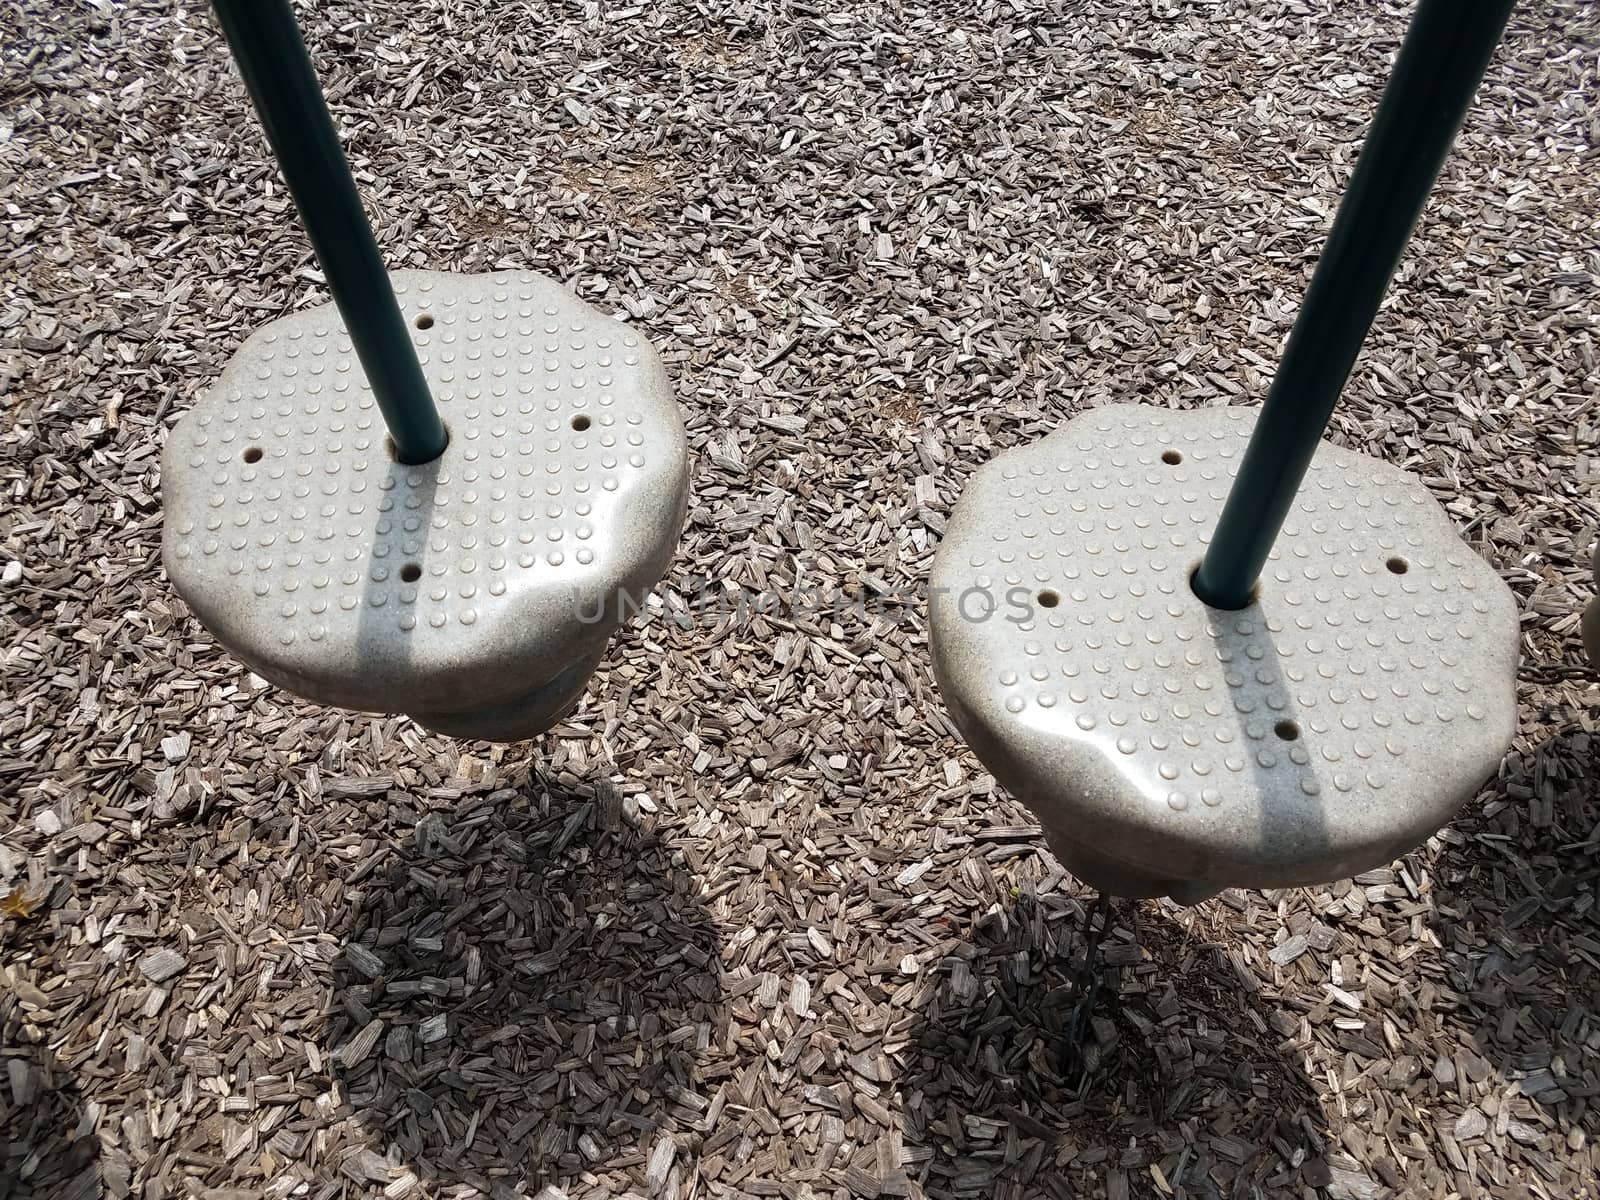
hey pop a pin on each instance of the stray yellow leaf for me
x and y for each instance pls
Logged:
(21, 904)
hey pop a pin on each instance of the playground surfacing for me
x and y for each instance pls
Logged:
(753, 921)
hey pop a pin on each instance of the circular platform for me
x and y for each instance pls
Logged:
(1170, 748)
(475, 592)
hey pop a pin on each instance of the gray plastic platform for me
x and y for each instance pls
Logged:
(1172, 749)
(475, 592)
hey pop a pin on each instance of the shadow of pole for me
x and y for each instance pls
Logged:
(561, 1035)
(1199, 1094)
(1292, 823)
(399, 570)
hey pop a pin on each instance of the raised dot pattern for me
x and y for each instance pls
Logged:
(304, 509)
(1373, 674)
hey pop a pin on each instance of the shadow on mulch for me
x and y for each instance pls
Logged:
(1516, 910)
(48, 1146)
(1196, 1092)
(523, 997)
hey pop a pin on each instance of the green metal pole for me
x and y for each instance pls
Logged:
(282, 83)
(1444, 56)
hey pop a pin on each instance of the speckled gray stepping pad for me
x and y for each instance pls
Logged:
(476, 592)
(1169, 748)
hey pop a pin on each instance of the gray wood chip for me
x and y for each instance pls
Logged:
(158, 966)
(354, 1052)
(661, 1159)
(367, 963)
(1470, 1124)
(1288, 950)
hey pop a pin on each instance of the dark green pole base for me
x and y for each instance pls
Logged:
(1445, 54)
(282, 83)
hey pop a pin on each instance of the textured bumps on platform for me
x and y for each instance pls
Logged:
(1168, 748)
(475, 592)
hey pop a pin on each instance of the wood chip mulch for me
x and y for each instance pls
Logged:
(753, 921)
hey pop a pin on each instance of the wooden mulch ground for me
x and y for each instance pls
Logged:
(753, 922)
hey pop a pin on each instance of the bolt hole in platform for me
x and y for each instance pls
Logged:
(424, 320)
(1287, 730)
(1171, 457)
(252, 454)
(410, 573)
(1398, 565)
(1049, 598)
(580, 422)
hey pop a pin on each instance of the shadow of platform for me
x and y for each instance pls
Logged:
(1199, 1094)
(1516, 903)
(48, 1146)
(522, 998)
